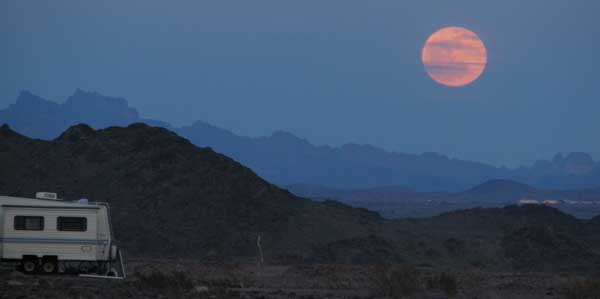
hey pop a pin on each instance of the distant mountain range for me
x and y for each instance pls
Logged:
(398, 202)
(493, 191)
(285, 159)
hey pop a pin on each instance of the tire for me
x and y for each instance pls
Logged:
(85, 267)
(29, 265)
(49, 266)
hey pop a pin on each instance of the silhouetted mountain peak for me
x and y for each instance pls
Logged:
(26, 97)
(77, 132)
(288, 159)
(94, 108)
(93, 96)
(289, 139)
(6, 131)
(30, 104)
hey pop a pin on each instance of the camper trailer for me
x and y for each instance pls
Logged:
(48, 235)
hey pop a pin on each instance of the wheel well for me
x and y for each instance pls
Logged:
(30, 258)
(49, 258)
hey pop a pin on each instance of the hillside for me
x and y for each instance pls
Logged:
(502, 220)
(286, 159)
(514, 237)
(171, 198)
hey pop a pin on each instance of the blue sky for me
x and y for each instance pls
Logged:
(331, 71)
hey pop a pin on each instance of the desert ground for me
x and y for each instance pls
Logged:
(195, 279)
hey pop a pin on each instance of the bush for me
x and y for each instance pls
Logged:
(399, 282)
(168, 282)
(402, 282)
(443, 282)
(581, 288)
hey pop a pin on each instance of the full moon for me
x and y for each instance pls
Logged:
(454, 56)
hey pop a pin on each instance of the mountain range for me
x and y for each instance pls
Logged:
(170, 198)
(492, 191)
(398, 202)
(285, 159)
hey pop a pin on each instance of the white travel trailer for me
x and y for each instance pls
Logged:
(49, 235)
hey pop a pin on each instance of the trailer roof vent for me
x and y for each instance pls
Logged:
(46, 195)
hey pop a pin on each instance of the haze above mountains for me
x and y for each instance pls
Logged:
(286, 159)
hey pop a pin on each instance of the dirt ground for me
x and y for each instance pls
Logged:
(193, 279)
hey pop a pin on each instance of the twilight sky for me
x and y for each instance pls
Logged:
(330, 71)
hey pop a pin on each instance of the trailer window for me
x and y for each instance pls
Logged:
(29, 223)
(72, 224)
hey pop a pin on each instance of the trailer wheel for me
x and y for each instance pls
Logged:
(29, 265)
(85, 267)
(49, 266)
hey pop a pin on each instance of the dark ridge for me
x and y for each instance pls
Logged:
(506, 219)
(494, 186)
(171, 198)
(7, 132)
(77, 132)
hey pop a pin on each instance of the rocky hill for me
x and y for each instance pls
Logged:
(171, 198)
(490, 221)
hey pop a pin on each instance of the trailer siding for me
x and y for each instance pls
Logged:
(93, 244)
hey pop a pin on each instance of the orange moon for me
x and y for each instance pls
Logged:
(454, 56)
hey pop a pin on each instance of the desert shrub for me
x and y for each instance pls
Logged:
(403, 282)
(576, 288)
(445, 282)
(168, 282)
(399, 282)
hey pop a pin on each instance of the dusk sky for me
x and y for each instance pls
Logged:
(331, 71)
